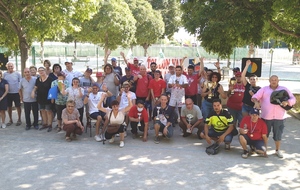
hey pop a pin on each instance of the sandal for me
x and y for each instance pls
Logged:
(9, 123)
(18, 123)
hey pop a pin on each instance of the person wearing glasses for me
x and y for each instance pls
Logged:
(40, 91)
(71, 122)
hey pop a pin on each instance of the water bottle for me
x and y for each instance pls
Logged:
(245, 128)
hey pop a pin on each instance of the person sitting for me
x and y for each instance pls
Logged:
(190, 118)
(71, 121)
(221, 125)
(253, 132)
(92, 98)
(163, 117)
(115, 118)
(138, 117)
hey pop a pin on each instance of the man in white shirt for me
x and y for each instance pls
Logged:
(92, 97)
(70, 72)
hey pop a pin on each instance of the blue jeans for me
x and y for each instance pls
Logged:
(246, 108)
(236, 114)
(277, 127)
(206, 108)
(28, 107)
(162, 126)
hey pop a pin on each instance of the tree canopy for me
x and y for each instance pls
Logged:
(222, 25)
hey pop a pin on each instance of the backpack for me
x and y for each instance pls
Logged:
(212, 149)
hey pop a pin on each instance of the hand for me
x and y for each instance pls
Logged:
(128, 95)
(248, 62)
(201, 59)
(221, 139)
(231, 87)
(251, 93)
(103, 96)
(257, 105)
(139, 76)
(189, 126)
(220, 90)
(121, 90)
(122, 54)
(184, 57)
(90, 89)
(208, 139)
(165, 131)
(217, 64)
(284, 103)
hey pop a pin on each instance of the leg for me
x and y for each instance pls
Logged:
(35, 112)
(81, 115)
(27, 110)
(69, 129)
(133, 127)
(2, 112)
(99, 119)
(19, 113)
(243, 142)
(9, 111)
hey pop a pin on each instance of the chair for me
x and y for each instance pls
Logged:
(92, 125)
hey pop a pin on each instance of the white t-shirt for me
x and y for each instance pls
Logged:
(72, 74)
(124, 100)
(178, 92)
(93, 102)
(73, 94)
(119, 119)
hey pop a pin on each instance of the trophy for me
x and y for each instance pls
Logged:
(139, 124)
(232, 82)
(157, 116)
(189, 119)
(210, 86)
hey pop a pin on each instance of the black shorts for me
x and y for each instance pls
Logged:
(96, 114)
(14, 97)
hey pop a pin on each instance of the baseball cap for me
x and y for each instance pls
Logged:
(254, 111)
(127, 68)
(95, 84)
(89, 70)
(238, 73)
(113, 59)
(135, 59)
(99, 74)
(171, 65)
(235, 69)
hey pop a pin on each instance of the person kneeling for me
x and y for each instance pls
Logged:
(163, 117)
(115, 118)
(138, 117)
(221, 126)
(71, 121)
(253, 132)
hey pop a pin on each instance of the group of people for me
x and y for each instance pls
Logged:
(115, 101)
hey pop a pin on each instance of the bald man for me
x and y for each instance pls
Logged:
(272, 114)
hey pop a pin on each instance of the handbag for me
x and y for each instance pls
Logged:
(113, 129)
(212, 149)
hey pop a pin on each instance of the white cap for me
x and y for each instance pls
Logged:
(171, 65)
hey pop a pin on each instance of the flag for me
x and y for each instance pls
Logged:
(161, 54)
(52, 93)
(197, 53)
(129, 54)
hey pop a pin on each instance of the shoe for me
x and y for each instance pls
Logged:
(279, 154)
(18, 123)
(134, 136)
(9, 123)
(122, 144)
(43, 127)
(188, 131)
(27, 128)
(186, 134)
(118, 135)
(245, 154)
(58, 129)
(227, 146)
(98, 138)
(74, 136)
(156, 140)
(68, 139)
(49, 129)
(3, 126)
(112, 140)
(36, 127)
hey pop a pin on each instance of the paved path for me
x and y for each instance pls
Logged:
(41, 160)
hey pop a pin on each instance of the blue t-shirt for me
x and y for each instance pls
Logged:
(13, 80)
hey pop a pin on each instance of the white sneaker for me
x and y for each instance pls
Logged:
(279, 154)
(122, 144)
(3, 126)
(118, 135)
(188, 131)
(112, 140)
(98, 138)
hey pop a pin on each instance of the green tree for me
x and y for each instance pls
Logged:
(222, 25)
(112, 26)
(171, 13)
(150, 26)
(25, 21)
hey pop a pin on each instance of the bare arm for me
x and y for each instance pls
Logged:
(244, 80)
(124, 58)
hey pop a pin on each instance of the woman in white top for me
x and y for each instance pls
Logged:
(115, 116)
(75, 93)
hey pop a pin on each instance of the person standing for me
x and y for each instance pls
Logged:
(70, 72)
(135, 68)
(13, 78)
(273, 115)
(128, 77)
(3, 99)
(30, 104)
(192, 89)
(157, 87)
(167, 78)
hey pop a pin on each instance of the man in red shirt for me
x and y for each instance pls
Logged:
(135, 69)
(157, 87)
(138, 117)
(192, 89)
(253, 132)
(235, 98)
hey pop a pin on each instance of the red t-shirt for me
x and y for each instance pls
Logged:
(157, 86)
(256, 129)
(192, 88)
(134, 113)
(134, 70)
(235, 101)
(142, 86)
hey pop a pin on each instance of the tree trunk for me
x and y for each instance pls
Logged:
(145, 46)
(42, 52)
(23, 45)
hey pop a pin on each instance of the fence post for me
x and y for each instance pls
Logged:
(33, 55)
